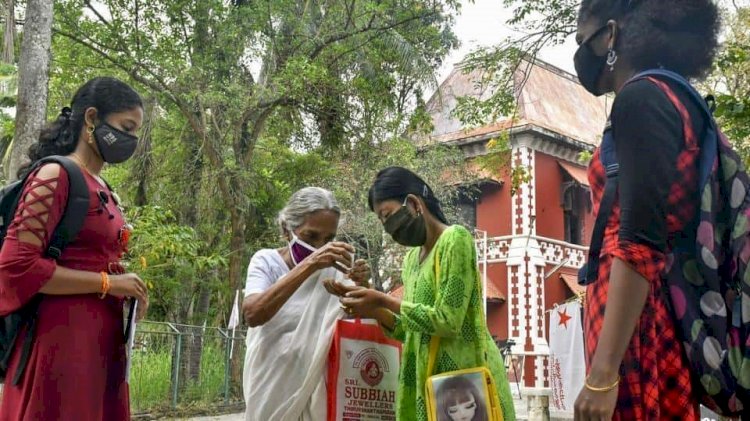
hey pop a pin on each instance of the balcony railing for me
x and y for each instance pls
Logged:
(554, 251)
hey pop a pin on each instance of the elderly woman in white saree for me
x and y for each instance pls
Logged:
(291, 314)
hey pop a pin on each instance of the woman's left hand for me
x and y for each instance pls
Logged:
(360, 273)
(595, 406)
(338, 289)
(363, 302)
(140, 312)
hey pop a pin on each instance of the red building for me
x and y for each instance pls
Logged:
(536, 238)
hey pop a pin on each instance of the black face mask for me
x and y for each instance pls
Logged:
(114, 145)
(589, 66)
(406, 229)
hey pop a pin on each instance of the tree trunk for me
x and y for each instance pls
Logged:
(144, 166)
(193, 298)
(237, 249)
(143, 160)
(9, 35)
(236, 268)
(195, 351)
(193, 172)
(183, 314)
(33, 78)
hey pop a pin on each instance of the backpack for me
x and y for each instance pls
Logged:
(707, 275)
(66, 231)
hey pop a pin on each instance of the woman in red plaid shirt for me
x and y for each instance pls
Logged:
(637, 369)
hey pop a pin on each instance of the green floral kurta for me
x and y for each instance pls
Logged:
(454, 313)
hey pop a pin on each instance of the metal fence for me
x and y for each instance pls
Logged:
(181, 365)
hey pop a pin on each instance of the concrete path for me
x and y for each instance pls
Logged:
(230, 417)
(520, 413)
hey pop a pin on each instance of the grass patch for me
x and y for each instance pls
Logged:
(151, 380)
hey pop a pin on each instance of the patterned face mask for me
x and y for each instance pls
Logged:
(299, 250)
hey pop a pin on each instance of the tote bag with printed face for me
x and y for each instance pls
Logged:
(461, 395)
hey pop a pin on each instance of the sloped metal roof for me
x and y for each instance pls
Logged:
(547, 97)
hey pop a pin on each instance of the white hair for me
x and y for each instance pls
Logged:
(304, 202)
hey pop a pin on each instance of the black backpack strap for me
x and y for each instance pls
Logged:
(710, 144)
(608, 157)
(30, 311)
(75, 210)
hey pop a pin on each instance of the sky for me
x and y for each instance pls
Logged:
(482, 23)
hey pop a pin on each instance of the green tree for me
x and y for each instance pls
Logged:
(730, 81)
(196, 58)
(245, 103)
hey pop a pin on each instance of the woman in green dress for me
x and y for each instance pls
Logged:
(449, 307)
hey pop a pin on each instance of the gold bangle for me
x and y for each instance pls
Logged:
(602, 389)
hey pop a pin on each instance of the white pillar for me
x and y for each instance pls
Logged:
(526, 268)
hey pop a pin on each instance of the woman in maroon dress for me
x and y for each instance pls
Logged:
(637, 369)
(76, 367)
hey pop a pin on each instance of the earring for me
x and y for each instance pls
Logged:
(90, 131)
(611, 59)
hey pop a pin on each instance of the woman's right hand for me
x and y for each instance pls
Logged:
(335, 254)
(128, 285)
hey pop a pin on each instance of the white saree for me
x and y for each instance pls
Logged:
(285, 364)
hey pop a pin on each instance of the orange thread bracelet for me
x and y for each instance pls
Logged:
(105, 285)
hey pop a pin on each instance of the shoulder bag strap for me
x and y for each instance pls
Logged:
(435, 340)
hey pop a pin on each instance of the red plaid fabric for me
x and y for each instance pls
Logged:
(656, 382)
